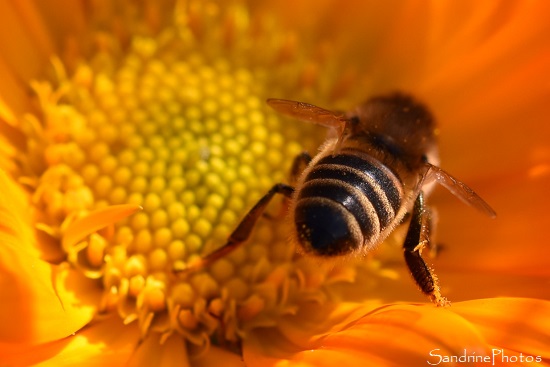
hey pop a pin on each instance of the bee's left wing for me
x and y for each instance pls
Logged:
(459, 189)
(308, 113)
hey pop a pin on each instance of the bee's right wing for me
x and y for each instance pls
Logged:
(308, 113)
(459, 189)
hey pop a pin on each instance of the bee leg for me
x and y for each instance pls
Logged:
(243, 230)
(299, 164)
(434, 247)
(418, 237)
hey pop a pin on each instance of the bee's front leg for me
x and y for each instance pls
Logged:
(418, 237)
(243, 230)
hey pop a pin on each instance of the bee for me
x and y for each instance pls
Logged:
(372, 175)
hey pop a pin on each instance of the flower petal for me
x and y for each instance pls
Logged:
(105, 343)
(513, 243)
(33, 310)
(28, 50)
(464, 285)
(512, 323)
(500, 65)
(95, 221)
(12, 95)
(151, 352)
(392, 335)
(218, 357)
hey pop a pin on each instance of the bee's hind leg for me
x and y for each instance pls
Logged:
(243, 230)
(418, 237)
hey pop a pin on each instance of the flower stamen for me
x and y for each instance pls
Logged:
(145, 160)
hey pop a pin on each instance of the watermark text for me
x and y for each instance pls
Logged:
(438, 357)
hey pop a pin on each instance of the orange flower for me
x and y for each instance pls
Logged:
(134, 136)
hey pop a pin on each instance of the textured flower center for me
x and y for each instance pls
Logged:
(182, 130)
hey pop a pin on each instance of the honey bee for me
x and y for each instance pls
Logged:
(371, 176)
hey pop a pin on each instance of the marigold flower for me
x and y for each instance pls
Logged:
(135, 136)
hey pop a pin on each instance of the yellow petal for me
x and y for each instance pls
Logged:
(15, 216)
(105, 343)
(33, 310)
(95, 221)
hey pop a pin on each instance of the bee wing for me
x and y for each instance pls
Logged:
(459, 189)
(308, 113)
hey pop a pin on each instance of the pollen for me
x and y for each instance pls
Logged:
(175, 124)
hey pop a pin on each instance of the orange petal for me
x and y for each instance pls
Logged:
(516, 242)
(28, 46)
(68, 20)
(500, 63)
(106, 343)
(400, 335)
(460, 285)
(95, 221)
(173, 352)
(521, 325)
(13, 99)
(218, 357)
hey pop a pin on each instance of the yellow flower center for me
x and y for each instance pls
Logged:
(177, 124)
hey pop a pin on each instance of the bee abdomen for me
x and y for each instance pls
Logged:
(363, 195)
(325, 227)
(348, 196)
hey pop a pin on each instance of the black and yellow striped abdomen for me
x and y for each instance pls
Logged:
(345, 203)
